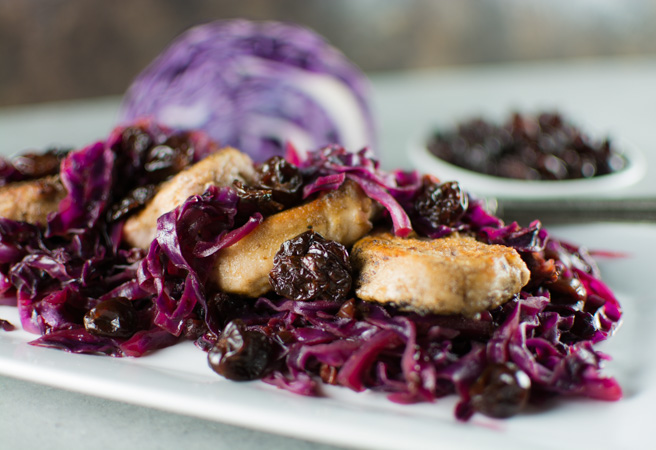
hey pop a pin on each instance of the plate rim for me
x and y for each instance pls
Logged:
(510, 432)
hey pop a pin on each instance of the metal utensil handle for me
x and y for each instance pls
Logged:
(577, 210)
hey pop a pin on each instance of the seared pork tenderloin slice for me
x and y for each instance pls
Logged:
(450, 275)
(343, 215)
(220, 168)
(31, 201)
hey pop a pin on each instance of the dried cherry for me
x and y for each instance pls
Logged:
(241, 354)
(168, 158)
(348, 310)
(567, 289)
(223, 308)
(255, 199)
(501, 391)
(37, 165)
(281, 177)
(441, 204)
(5, 325)
(134, 200)
(309, 267)
(135, 141)
(541, 147)
(145, 158)
(115, 317)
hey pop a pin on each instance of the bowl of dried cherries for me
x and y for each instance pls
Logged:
(543, 155)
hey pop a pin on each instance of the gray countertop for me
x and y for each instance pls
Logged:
(617, 97)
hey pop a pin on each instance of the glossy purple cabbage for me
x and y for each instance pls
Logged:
(415, 358)
(87, 176)
(180, 258)
(328, 167)
(255, 86)
(60, 273)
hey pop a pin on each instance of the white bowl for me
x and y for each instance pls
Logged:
(484, 185)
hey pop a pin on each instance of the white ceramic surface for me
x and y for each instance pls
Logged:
(178, 379)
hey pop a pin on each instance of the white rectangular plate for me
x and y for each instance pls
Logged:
(178, 379)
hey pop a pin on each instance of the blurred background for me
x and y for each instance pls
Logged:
(70, 49)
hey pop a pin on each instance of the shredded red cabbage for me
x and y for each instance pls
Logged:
(330, 166)
(57, 275)
(60, 273)
(180, 258)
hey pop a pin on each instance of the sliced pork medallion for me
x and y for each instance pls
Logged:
(343, 215)
(32, 200)
(450, 275)
(220, 168)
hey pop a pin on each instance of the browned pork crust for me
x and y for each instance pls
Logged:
(451, 275)
(220, 169)
(343, 215)
(31, 201)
